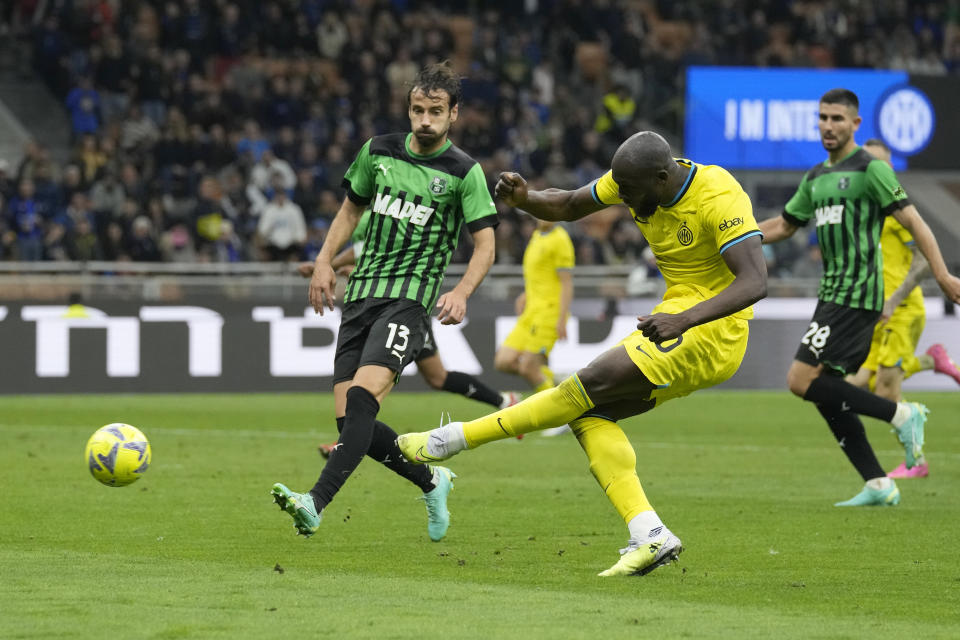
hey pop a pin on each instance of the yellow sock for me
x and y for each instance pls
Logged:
(911, 365)
(550, 408)
(613, 463)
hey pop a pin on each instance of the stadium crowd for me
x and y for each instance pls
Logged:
(219, 130)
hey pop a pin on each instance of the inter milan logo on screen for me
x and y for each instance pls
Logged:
(684, 235)
(438, 186)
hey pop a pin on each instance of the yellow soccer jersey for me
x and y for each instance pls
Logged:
(544, 255)
(710, 214)
(897, 245)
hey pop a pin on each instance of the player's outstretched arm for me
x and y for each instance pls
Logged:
(746, 262)
(549, 204)
(324, 280)
(452, 306)
(910, 218)
(776, 229)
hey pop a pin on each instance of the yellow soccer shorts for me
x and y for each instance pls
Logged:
(533, 333)
(895, 342)
(702, 357)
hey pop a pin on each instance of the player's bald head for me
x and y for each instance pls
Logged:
(643, 152)
(642, 168)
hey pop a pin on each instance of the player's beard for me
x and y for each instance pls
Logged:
(837, 142)
(428, 139)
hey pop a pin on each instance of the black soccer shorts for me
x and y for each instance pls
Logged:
(838, 337)
(389, 332)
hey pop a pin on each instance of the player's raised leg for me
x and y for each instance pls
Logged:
(611, 377)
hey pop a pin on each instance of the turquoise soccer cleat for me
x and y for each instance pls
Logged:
(438, 516)
(873, 498)
(301, 508)
(640, 558)
(910, 434)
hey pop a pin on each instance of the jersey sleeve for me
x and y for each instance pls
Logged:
(478, 208)
(605, 190)
(360, 179)
(563, 251)
(883, 186)
(799, 208)
(360, 233)
(729, 215)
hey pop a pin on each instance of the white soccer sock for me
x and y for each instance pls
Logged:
(447, 440)
(880, 484)
(902, 414)
(645, 525)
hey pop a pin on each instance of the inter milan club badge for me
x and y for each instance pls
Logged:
(684, 235)
(843, 183)
(438, 186)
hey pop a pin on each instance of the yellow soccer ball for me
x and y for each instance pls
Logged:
(117, 454)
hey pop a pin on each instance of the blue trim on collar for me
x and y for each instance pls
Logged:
(683, 189)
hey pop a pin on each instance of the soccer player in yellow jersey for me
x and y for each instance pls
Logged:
(543, 306)
(892, 356)
(700, 225)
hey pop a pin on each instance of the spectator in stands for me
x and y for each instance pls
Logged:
(141, 245)
(83, 103)
(83, 243)
(138, 132)
(112, 72)
(252, 142)
(107, 195)
(282, 228)
(90, 159)
(25, 219)
(55, 242)
(269, 173)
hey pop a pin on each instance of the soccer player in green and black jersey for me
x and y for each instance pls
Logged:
(848, 198)
(421, 190)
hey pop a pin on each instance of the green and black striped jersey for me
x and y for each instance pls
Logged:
(849, 202)
(418, 205)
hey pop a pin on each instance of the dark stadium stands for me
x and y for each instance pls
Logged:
(186, 115)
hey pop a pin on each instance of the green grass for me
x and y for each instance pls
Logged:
(747, 480)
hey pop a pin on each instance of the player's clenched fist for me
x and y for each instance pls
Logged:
(511, 188)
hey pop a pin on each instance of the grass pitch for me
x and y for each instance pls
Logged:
(196, 549)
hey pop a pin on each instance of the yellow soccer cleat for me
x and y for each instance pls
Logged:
(414, 448)
(640, 558)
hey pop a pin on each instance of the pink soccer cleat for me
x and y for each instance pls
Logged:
(919, 471)
(942, 362)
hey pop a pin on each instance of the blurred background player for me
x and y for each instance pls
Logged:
(543, 307)
(892, 356)
(849, 196)
(428, 360)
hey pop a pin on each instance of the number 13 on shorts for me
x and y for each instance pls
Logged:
(397, 339)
